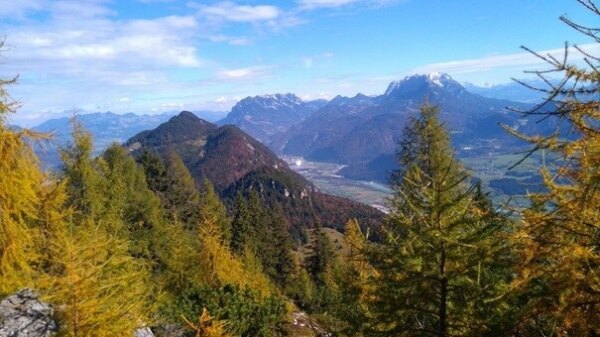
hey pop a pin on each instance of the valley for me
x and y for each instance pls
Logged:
(326, 177)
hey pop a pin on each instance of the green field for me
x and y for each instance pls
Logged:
(494, 171)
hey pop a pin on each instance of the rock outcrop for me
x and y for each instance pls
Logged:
(24, 315)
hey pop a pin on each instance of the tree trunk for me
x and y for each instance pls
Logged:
(443, 294)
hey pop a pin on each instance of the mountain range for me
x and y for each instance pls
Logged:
(362, 132)
(359, 132)
(236, 163)
(267, 115)
(106, 128)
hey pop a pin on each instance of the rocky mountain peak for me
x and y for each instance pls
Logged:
(423, 83)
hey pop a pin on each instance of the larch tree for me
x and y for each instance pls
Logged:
(84, 181)
(559, 235)
(182, 196)
(434, 269)
(212, 209)
(352, 281)
(96, 286)
(21, 184)
(130, 201)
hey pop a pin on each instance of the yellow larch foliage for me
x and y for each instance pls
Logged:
(21, 185)
(559, 236)
(221, 266)
(207, 326)
(97, 288)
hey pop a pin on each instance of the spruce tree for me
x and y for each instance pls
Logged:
(434, 267)
(280, 264)
(155, 171)
(241, 225)
(321, 259)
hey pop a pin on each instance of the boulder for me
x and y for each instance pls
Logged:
(24, 315)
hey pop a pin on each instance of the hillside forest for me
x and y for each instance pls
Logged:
(133, 238)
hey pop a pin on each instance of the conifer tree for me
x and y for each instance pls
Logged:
(222, 267)
(241, 225)
(321, 259)
(182, 196)
(155, 172)
(558, 238)
(84, 181)
(21, 183)
(96, 286)
(282, 267)
(129, 200)
(351, 279)
(434, 268)
(212, 209)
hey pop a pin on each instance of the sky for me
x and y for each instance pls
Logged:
(152, 56)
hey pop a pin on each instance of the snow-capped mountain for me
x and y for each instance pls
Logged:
(362, 132)
(432, 83)
(265, 115)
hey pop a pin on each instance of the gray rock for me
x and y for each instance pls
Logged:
(143, 332)
(23, 315)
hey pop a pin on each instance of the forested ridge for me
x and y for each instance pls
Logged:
(131, 238)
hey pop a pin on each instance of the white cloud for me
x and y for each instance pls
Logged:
(18, 8)
(311, 4)
(111, 46)
(230, 11)
(244, 73)
(232, 40)
(315, 4)
(520, 60)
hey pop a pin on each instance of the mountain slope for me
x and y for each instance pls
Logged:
(235, 162)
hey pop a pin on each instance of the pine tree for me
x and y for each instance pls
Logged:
(221, 266)
(434, 268)
(155, 171)
(558, 237)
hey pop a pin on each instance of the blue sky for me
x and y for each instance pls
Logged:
(150, 56)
